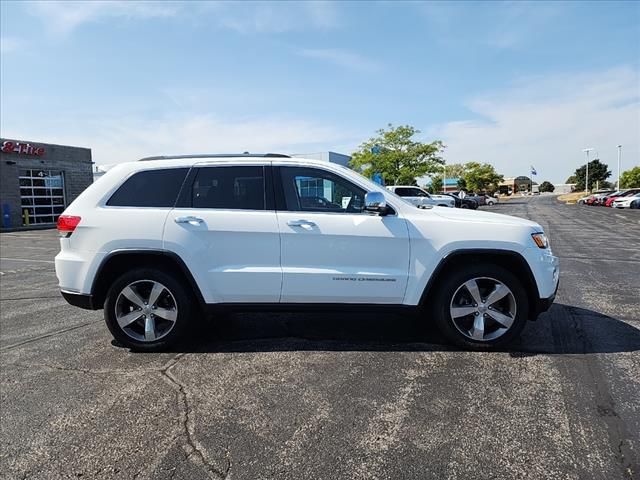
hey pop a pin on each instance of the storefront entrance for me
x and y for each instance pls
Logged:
(42, 196)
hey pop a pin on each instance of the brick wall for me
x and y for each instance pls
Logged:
(75, 162)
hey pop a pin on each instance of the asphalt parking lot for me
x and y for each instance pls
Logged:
(332, 396)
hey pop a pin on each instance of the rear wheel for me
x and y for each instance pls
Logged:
(481, 307)
(147, 310)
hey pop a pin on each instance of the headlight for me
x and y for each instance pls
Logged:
(540, 239)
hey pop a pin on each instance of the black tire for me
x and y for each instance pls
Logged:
(441, 301)
(464, 205)
(184, 303)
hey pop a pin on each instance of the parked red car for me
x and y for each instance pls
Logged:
(625, 193)
(597, 196)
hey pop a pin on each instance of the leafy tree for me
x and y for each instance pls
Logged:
(436, 184)
(546, 187)
(598, 172)
(455, 170)
(571, 179)
(481, 177)
(400, 159)
(630, 178)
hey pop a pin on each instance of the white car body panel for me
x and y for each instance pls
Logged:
(234, 255)
(337, 258)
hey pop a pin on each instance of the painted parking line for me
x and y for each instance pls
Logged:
(26, 260)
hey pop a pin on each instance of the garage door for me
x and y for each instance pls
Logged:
(42, 196)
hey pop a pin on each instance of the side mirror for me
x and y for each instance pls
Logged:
(376, 203)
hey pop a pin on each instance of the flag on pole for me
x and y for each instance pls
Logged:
(533, 170)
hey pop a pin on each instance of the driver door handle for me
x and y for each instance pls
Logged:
(301, 223)
(191, 220)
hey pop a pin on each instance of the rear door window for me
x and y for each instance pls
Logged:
(233, 187)
(151, 188)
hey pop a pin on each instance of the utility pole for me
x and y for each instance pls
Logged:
(586, 183)
(619, 157)
(444, 179)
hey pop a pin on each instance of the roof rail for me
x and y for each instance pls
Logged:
(216, 155)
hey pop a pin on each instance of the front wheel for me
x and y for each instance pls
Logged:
(481, 307)
(147, 310)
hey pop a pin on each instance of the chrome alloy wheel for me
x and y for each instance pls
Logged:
(146, 310)
(483, 309)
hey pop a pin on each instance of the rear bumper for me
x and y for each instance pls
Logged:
(81, 300)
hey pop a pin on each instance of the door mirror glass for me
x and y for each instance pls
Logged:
(375, 202)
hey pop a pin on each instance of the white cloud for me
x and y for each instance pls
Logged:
(340, 57)
(506, 25)
(10, 44)
(275, 17)
(62, 17)
(547, 121)
(118, 140)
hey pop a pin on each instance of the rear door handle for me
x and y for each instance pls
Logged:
(301, 223)
(190, 220)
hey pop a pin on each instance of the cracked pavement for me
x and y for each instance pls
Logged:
(331, 395)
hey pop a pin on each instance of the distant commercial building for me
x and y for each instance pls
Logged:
(515, 185)
(39, 180)
(563, 187)
(332, 157)
(450, 185)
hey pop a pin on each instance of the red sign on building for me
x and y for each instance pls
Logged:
(22, 148)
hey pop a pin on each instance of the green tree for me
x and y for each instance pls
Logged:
(481, 177)
(571, 179)
(630, 178)
(436, 184)
(546, 187)
(598, 172)
(400, 158)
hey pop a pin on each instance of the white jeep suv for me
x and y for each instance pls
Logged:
(161, 241)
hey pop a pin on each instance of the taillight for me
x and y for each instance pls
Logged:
(67, 224)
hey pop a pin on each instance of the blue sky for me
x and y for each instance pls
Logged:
(510, 83)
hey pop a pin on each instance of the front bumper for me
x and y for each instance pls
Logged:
(543, 304)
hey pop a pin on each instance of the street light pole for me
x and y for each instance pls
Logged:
(444, 179)
(586, 183)
(619, 156)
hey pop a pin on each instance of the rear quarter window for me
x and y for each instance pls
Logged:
(151, 188)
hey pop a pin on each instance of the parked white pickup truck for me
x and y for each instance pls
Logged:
(420, 198)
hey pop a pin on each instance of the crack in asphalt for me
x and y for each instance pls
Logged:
(30, 298)
(85, 371)
(604, 402)
(193, 447)
(46, 335)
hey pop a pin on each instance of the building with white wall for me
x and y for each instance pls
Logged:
(339, 158)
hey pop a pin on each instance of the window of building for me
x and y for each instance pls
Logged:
(42, 196)
(151, 188)
(315, 190)
(238, 188)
